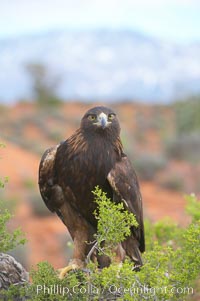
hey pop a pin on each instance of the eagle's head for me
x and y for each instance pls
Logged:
(100, 120)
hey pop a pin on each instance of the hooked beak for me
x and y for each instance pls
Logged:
(103, 120)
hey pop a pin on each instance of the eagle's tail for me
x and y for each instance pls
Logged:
(131, 248)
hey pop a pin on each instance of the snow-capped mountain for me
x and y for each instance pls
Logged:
(113, 65)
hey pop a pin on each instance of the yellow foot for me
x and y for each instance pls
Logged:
(74, 264)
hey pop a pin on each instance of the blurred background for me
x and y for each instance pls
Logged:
(59, 58)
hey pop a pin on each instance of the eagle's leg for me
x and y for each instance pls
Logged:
(81, 249)
(81, 234)
(79, 255)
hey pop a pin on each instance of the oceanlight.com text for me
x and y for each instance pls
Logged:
(112, 289)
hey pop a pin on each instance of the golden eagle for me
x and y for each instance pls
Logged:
(68, 173)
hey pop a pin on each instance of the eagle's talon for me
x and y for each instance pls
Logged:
(73, 266)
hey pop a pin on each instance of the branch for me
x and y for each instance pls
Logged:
(91, 251)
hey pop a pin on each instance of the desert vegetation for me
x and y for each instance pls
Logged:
(170, 270)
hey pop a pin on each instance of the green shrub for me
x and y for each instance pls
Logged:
(187, 115)
(184, 147)
(171, 263)
(147, 165)
(172, 181)
(193, 207)
(8, 240)
(113, 221)
(165, 231)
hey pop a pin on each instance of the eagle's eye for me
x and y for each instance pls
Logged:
(111, 116)
(92, 117)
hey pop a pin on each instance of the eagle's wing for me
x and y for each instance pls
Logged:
(51, 193)
(124, 183)
(58, 199)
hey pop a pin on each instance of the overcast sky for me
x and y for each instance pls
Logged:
(177, 20)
